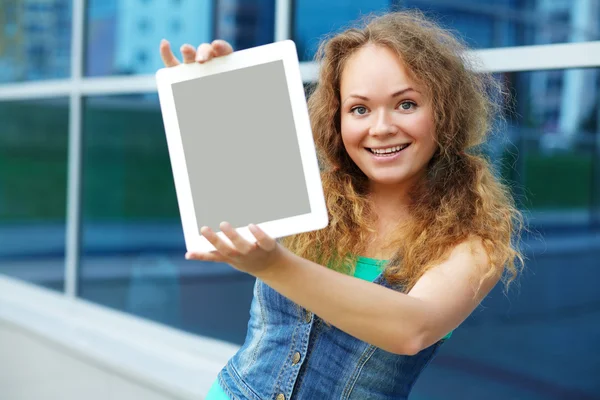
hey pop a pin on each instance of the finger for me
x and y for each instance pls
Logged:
(241, 244)
(167, 55)
(189, 53)
(263, 240)
(213, 256)
(225, 249)
(204, 53)
(221, 48)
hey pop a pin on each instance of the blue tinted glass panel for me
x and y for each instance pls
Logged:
(122, 37)
(33, 187)
(35, 40)
(499, 23)
(313, 19)
(133, 247)
(245, 23)
(496, 24)
(552, 143)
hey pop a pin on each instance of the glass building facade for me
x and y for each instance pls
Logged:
(125, 243)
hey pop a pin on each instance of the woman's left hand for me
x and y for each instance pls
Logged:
(253, 258)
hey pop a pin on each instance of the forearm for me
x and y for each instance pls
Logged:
(377, 315)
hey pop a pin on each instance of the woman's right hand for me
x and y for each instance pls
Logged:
(204, 52)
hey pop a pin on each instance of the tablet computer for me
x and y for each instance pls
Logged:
(241, 145)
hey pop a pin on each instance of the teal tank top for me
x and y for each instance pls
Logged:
(367, 269)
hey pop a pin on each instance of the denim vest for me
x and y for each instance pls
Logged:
(290, 353)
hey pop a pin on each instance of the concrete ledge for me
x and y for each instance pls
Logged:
(167, 360)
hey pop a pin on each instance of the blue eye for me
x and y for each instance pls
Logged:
(407, 105)
(360, 110)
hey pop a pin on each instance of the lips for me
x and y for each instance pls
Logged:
(388, 150)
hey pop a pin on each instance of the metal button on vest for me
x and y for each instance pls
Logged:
(307, 316)
(280, 396)
(296, 358)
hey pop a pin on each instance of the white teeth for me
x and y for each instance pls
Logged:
(390, 149)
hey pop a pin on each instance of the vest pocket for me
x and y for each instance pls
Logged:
(235, 385)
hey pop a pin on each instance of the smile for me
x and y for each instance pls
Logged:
(390, 151)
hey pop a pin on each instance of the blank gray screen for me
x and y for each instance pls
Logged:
(240, 146)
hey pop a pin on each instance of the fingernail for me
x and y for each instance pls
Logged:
(187, 256)
(201, 57)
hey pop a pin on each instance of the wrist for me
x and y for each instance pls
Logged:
(282, 260)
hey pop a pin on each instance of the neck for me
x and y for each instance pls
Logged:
(390, 202)
(390, 205)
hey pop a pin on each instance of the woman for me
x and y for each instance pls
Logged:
(420, 230)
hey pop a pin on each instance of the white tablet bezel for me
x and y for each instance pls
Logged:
(286, 52)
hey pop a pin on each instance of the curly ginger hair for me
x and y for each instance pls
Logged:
(460, 197)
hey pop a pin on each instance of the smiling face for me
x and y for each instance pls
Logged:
(386, 119)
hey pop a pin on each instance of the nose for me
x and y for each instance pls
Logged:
(383, 124)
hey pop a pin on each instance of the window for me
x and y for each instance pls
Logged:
(33, 187)
(113, 30)
(313, 19)
(493, 24)
(39, 39)
(245, 23)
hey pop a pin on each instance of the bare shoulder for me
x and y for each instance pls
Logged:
(473, 250)
(470, 262)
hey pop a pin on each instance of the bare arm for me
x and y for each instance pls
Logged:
(396, 322)
(399, 323)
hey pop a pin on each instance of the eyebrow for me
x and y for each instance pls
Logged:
(398, 93)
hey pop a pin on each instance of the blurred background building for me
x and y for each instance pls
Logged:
(93, 283)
